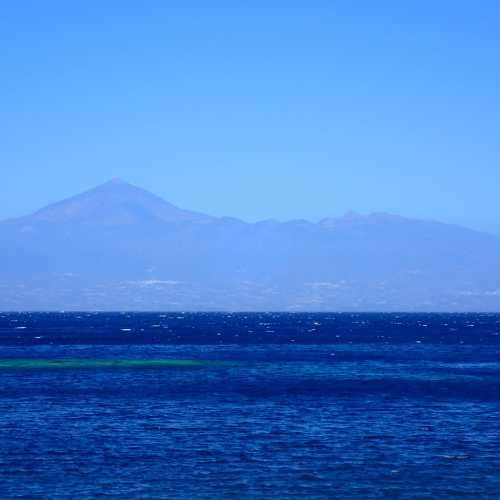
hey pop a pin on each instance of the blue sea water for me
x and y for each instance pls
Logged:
(280, 406)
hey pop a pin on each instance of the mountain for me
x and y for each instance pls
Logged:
(119, 247)
(113, 203)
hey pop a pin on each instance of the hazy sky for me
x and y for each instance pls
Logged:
(257, 109)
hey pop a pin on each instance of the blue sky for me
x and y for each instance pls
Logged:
(283, 109)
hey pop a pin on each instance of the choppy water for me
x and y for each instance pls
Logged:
(261, 406)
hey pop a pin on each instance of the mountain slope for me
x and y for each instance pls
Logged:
(120, 247)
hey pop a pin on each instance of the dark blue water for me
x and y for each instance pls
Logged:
(287, 406)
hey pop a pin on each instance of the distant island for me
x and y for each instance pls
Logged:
(119, 247)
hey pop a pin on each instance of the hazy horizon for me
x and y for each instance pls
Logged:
(120, 247)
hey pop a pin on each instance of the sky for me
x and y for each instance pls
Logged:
(261, 109)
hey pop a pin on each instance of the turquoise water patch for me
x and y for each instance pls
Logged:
(34, 364)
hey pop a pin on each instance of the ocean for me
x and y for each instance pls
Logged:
(260, 405)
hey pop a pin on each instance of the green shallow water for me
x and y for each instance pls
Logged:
(106, 363)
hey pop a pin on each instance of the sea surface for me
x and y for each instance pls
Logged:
(267, 406)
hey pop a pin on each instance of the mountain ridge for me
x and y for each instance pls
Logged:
(110, 188)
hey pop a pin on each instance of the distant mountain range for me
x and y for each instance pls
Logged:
(119, 247)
